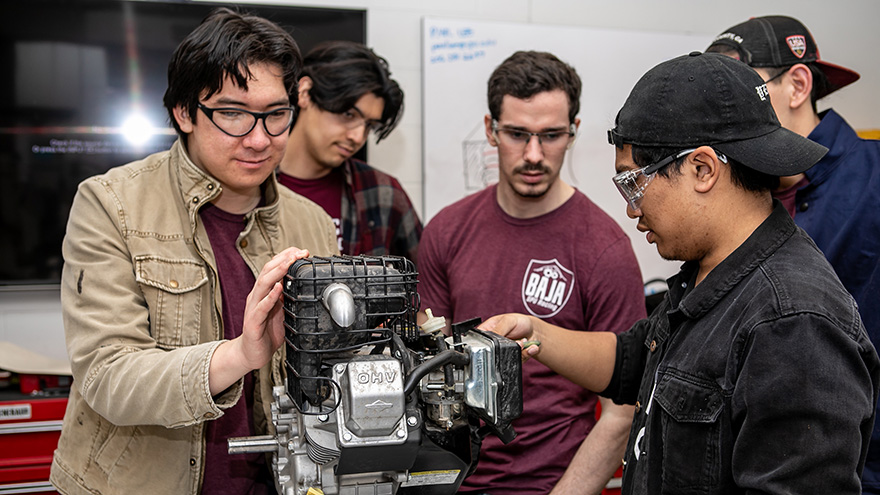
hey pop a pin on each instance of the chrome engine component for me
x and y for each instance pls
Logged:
(371, 404)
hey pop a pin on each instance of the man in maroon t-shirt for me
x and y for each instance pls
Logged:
(534, 244)
(347, 93)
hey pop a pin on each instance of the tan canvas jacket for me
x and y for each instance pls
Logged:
(142, 317)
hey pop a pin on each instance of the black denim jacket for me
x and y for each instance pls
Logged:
(761, 379)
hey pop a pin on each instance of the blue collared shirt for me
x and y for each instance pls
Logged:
(840, 210)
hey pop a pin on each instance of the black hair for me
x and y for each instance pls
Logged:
(527, 73)
(224, 45)
(821, 84)
(343, 71)
(742, 176)
(730, 51)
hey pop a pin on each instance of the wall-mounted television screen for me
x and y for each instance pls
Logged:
(84, 94)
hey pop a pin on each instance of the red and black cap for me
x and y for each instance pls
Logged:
(781, 41)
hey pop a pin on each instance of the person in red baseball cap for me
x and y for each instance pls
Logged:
(779, 42)
(835, 200)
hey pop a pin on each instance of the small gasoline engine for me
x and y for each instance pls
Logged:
(372, 403)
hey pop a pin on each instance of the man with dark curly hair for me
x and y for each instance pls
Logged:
(346, 95)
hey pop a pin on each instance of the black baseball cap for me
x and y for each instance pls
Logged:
(781, 41)
(712, 99)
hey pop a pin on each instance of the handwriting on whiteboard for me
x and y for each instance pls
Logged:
(454, 45)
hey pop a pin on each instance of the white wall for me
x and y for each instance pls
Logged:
(846, 33)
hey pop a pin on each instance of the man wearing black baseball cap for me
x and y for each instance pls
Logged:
(755, 374)
(833, 201)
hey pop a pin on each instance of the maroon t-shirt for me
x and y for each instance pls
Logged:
(240, 473)
(326, 192)
(788, 196)
(573, 267)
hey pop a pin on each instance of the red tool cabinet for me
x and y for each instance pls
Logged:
(29, 429)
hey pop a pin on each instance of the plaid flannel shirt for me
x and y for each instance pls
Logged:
(377, 215)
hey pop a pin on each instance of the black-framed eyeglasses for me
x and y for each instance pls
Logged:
(238, 122)
(549, 140)
(783, 71)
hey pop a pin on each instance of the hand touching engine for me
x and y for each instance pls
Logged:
(585, 358)
(262, 329)
(518, 327)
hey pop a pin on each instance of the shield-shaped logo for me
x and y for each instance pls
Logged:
(797, 44)
(546, 287)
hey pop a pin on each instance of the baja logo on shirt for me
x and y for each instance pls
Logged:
(546, 287)
(797, 44)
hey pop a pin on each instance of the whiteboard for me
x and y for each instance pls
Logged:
(459, 55)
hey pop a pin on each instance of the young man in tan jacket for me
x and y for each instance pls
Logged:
(171, 283)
